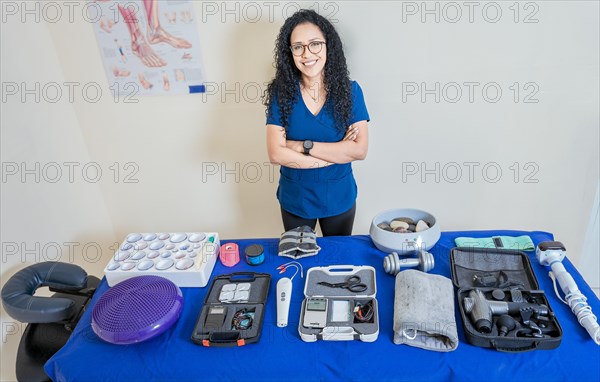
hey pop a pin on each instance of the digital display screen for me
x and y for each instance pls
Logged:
(316, 305)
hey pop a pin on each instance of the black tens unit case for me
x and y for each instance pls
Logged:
(233, 311)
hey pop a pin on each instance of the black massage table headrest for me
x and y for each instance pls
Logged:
(20, 303)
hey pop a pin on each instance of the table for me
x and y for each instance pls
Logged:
(281, 355)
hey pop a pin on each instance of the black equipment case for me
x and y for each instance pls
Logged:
(487, 279)
(233, 311)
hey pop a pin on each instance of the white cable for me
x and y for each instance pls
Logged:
(579, 306)
(555, 288)
(300, 265)
(295, 273)
(296, 264)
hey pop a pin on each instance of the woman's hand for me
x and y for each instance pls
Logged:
(352, 133)
(297, 146)
(353, 146)
(289, 153)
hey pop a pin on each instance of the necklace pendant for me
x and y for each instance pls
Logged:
(315, 99)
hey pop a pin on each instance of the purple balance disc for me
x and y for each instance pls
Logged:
(137, 309)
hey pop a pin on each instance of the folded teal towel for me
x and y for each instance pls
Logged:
(521, 243)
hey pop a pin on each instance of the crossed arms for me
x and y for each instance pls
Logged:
(353, 146)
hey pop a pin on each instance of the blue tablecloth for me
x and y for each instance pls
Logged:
(282, 355)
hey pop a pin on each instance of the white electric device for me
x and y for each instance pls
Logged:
(551, 254)
(284, 292)
(315, 314)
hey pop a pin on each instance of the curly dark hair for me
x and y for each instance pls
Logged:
(336, 77)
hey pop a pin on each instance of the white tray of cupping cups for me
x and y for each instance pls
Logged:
(186, 258)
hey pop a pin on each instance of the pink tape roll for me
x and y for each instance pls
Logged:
(229, 254)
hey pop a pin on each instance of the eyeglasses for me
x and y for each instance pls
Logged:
(314, 47)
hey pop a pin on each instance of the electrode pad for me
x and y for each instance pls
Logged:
(235, 292)
(340, 311)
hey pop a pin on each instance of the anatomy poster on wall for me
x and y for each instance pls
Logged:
(149, 46)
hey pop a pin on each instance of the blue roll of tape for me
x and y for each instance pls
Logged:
(255, 254)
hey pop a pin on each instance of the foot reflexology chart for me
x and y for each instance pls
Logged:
(149, 46)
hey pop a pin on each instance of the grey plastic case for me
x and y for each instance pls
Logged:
(337, 328)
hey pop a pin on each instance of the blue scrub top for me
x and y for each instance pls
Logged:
(319, 192)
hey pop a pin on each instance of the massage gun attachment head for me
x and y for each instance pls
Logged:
(548, 252)
(393, 264)
(505, 324)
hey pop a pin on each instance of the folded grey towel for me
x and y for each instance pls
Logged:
(424, 311)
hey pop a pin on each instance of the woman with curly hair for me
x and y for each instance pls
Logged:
(316, 126)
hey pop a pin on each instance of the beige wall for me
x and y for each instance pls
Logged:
(200, 159)
(45, 216)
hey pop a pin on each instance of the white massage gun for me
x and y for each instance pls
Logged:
(552, 253)
(284, 292)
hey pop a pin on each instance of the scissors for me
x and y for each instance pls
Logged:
(352, 283)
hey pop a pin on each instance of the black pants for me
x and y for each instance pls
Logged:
(339, 225)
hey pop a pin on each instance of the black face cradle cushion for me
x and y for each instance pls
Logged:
(18, 299)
